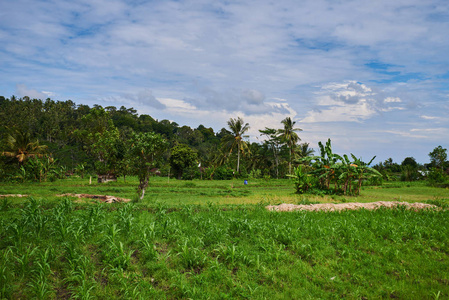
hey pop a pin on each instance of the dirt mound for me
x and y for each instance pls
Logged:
(14, 195)
(102, 198)
(349, 206)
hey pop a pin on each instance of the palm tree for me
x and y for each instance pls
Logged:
(289, 136)
(238, 128)
(304, 150)
(273, 142)
(19, 145)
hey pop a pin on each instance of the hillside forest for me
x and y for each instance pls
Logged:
(45, 140)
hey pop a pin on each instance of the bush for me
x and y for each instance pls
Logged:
(223, 173)
(436, 176)
(254, 174)
(409, 173)
(303, 181)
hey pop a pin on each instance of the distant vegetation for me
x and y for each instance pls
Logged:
(49, 140)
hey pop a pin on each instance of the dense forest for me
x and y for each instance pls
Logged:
(47, 139)
(95, 140)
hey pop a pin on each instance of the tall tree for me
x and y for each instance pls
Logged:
(238, 128)
(182, 157)
(274, 143)
(146, 149)
(438, 157)
(289, 136)
(18, 145)
(304, 150)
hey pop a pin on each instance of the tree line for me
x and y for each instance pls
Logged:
(43, 135)
(47, 139)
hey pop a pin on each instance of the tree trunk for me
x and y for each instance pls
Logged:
(142, 186)
(290, 163)
(142, 194)
(238, 157)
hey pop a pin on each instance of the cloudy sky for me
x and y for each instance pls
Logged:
(371, 75)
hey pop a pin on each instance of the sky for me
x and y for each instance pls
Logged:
(373, 76)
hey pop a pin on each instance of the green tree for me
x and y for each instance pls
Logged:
(304, 150)
(19, 145)
(105, 149)
(235, 140)
(409, 161)
(438, 157)
(182, 157)
(274, 143)
(146, 148)
(289, 136)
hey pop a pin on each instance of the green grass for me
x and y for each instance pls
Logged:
(215, 240)
(177, 192)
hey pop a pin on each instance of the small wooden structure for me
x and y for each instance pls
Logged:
(106, 178)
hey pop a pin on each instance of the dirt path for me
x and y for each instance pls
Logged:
(349, 206)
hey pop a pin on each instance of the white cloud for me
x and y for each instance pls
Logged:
(349, 102)
(428, 117)
(392, 99)
(141, 98)
(22, 90)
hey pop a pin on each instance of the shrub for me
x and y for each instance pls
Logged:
(303, 180)
(436, 176)
(223, 173)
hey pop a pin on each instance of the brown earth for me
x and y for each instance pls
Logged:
(349, 206)
(14, 195)
(102, 198)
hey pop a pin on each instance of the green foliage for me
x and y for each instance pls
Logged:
(303, 181)
(409, 161)
(182, 157)
(438, 157)
(436, 176)
(289, 136)
(409, 173)
(39, 168)
(235, 140)
(106, 149)
(223, 173)
(19, 145)
(334, 173)
(146, 149)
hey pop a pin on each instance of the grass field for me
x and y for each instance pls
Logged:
(215, 240)
(178, 192)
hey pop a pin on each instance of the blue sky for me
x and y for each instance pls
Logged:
(370, 75)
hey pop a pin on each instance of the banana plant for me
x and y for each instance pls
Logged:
(303, 181)
(325, 165)
(348, 173)
(364, 171)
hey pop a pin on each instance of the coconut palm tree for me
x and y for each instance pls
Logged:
(274, 143)
(304, 150)
(18, 144)
(238, 128)
(289, 136)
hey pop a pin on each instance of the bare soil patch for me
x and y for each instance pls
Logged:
(102, 198)
(350, 206)
(14, 195)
